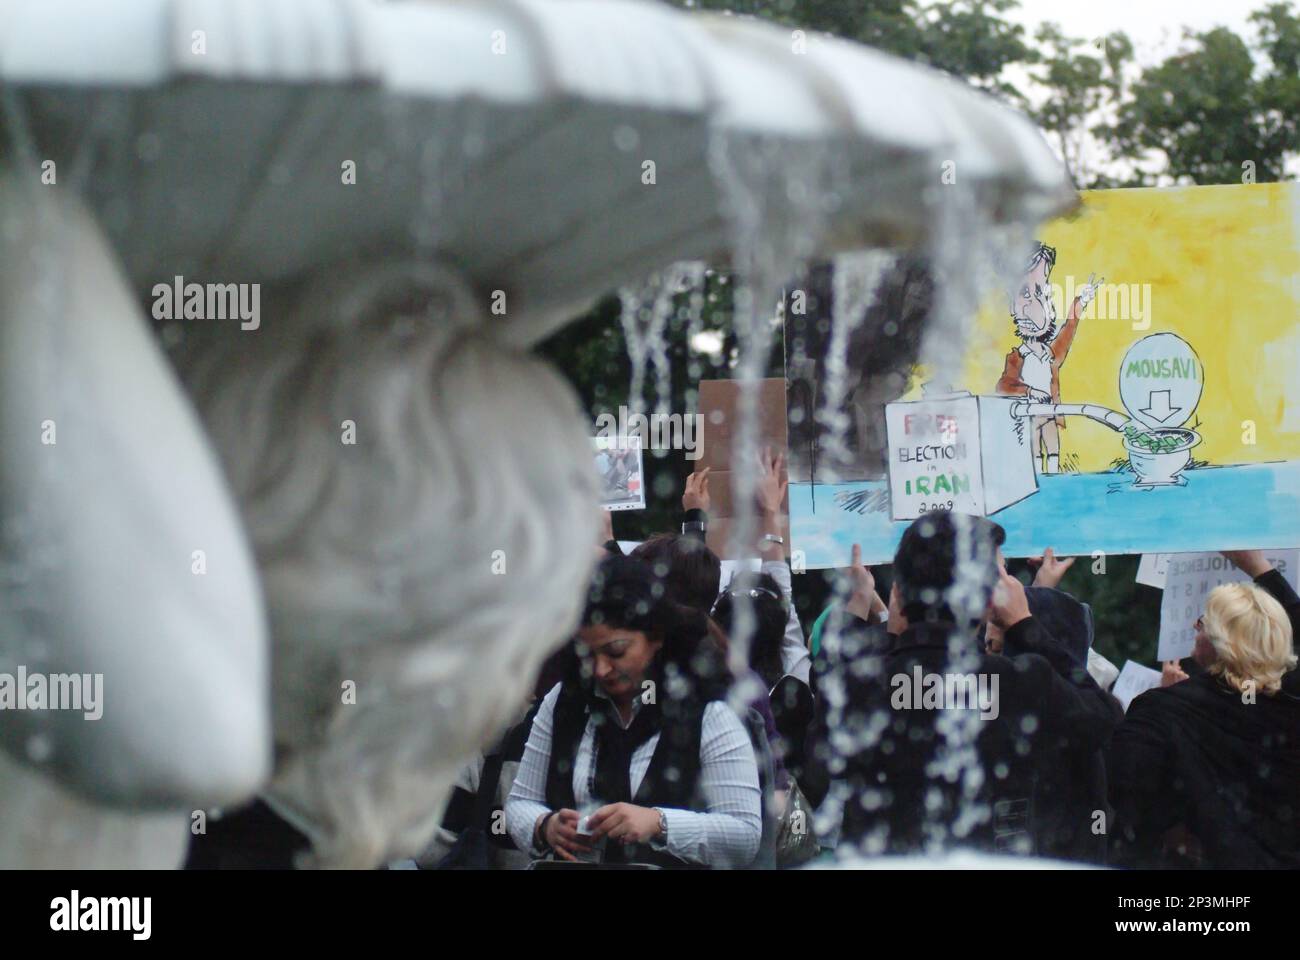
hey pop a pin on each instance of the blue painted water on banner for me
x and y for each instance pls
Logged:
(1220, 508)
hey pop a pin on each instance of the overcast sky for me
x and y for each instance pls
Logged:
(1154, 26)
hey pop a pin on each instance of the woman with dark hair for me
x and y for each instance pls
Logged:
(789, 698)
(636, 745)
(770, 615)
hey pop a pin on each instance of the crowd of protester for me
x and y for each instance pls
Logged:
(689, 723)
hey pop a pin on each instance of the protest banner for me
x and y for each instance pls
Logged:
(1138, 379)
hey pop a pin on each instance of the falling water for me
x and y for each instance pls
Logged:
(646, 309)
(972, 258)
(771, 245)
(774, 201)
(856, 277)
(970, 255)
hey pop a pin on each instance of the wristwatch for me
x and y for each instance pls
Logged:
(540, 834)
(662, 839)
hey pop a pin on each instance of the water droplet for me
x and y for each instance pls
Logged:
(626, 138)
(39, 748)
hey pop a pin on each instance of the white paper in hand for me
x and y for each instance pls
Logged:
(1134, 679)
(1152, 569)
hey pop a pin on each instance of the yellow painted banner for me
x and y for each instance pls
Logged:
(1137, 389)
(1218, 266)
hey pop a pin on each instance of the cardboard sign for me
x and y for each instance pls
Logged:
(1191, 577)
(719, 405)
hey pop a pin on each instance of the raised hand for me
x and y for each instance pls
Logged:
(770, 489)
(1250, 562)
(1009, 605)
(863, 601)
(696, 496)
(1051, 569)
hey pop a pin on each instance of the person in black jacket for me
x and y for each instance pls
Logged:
(1206, 772)
(936, 743)
(1070, 806)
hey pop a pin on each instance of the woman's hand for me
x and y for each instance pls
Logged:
(863, 601)
(625, 822)
(1009, 605)
(1171, 672)
(562, 835)
(1051, 569)
(993, 637)
(696, 496)
(897, 621)
(1250, 562)
(770, 488)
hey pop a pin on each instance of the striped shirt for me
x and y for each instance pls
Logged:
(795, 659)
(725, 834)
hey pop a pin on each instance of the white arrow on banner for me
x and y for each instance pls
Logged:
(1158, 407)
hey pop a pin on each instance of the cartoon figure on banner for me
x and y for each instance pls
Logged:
(1032, 370)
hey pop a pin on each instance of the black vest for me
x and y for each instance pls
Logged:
(678, 750)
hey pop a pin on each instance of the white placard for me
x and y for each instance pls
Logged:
(1152, 569)
(938, 449)
(620, 472)
(1132, 680)
(1188, 582)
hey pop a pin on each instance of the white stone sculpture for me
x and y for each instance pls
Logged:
(432, 564)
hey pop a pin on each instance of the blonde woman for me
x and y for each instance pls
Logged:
(1206, 771)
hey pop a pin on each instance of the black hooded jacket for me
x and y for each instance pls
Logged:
(900, 794)
(1197, 759)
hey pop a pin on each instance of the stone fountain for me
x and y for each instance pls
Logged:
(278, 465)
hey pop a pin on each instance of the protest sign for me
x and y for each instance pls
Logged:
(1152, 568)
(1173, 427)
(620, 471)
(1190, 578)
(718, 404)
